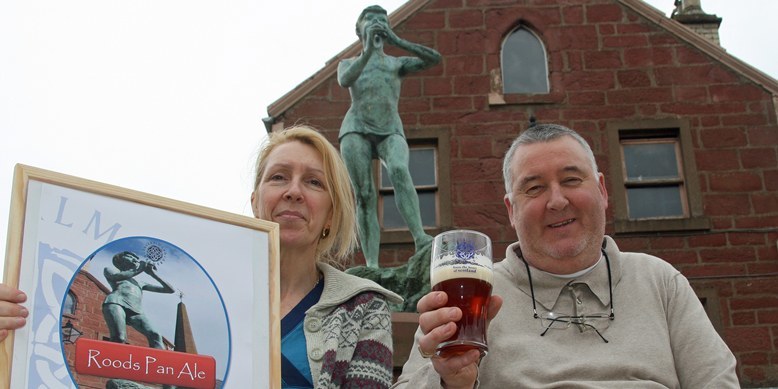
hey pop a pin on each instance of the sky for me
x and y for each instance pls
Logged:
(167, 97)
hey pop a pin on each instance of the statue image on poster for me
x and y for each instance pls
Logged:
(126, 323)
(123, 306)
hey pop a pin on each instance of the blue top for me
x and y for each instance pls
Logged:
(295, 370)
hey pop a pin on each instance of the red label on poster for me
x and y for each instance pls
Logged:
(116, 360)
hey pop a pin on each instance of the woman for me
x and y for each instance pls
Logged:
(336, 328)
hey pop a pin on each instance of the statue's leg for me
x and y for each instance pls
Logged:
(115, 319)
(356, 151)
(141, 323)
(393, 151)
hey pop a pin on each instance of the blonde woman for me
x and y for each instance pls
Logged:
(336, 328)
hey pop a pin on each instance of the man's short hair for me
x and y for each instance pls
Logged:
(370, 9)
(537, 133)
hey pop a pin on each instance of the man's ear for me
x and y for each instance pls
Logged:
(603, 188)
(509, 207)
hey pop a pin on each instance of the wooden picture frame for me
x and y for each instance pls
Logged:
(68, 245)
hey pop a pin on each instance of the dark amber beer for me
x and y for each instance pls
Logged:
(462, 267)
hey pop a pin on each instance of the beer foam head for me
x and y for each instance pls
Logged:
(446, 268)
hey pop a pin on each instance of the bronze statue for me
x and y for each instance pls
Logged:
(372, 127)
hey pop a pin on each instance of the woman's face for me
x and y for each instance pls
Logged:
(292, 192)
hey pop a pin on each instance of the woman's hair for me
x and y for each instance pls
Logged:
(342, 238)
(542, 133)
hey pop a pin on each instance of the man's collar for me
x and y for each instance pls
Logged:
(548, 286)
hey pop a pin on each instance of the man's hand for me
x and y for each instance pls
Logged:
(12, 315)
(438, 323)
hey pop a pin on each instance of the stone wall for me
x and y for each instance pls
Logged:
(607, 63)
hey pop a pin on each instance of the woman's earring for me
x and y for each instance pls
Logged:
(325, 233)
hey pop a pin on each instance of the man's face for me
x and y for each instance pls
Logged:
(557, 205)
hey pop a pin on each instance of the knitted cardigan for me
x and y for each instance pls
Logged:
(349, 333)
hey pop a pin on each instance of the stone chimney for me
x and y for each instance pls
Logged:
(690, 14)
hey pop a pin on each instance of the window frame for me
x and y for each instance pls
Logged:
(73, 296)
(384, 191)
(679, 182)
(709, 298)
(544, 61)
(440, 141)
(497, 95)
(695, 219)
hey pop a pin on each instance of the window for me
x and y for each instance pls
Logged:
(653, 177)
(70, 304)
(524, 65)
(428, 151)
(709, 298)
(422, 165)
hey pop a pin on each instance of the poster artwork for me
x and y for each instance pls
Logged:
(134, 291)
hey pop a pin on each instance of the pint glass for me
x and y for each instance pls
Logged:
(461, 266)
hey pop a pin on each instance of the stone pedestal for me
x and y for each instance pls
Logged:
(411, 280)
(404, 325)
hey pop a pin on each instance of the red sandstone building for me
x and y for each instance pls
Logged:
(628, 78)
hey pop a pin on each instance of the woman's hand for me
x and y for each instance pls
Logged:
(12, 315)
(438, 323)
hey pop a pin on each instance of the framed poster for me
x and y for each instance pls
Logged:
(128, 288)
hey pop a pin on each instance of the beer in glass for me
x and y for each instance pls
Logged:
(461, 266)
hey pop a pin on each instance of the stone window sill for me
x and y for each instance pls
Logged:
(496, 98)
(698, 223)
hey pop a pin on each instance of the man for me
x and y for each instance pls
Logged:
(372, 127)
(123, 305)
(577, 312)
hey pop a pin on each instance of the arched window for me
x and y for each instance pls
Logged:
(70, 304)
(524, 65)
